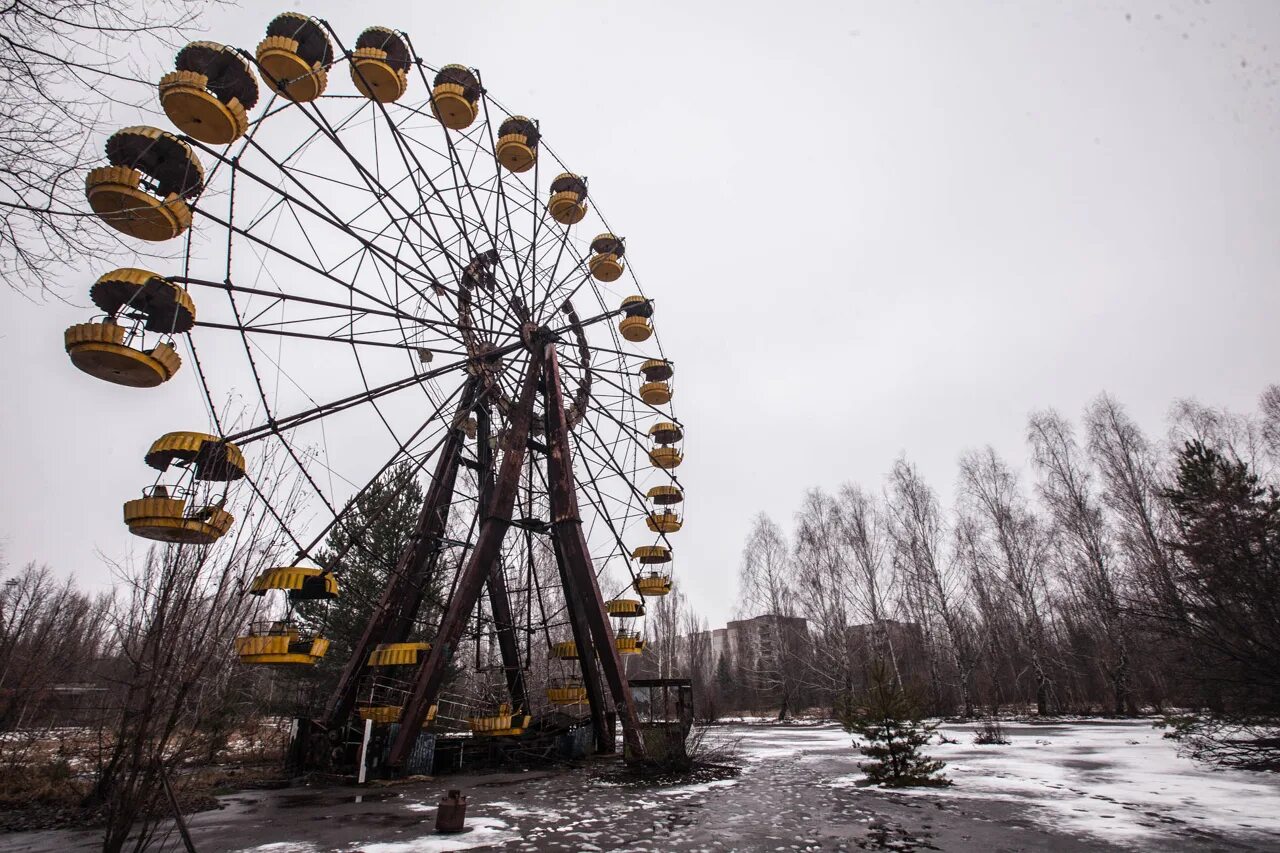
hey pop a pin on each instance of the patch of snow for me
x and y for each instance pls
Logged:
(1117, 780)
(697, 788)
(513, 810)
(282, 847)
(483, 832)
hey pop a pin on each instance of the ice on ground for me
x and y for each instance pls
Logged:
(483, 832)
(773, 742)
(1117, 780)
(282, 847)
(697, 788)
(513, 810)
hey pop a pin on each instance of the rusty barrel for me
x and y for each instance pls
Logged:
(451, 816)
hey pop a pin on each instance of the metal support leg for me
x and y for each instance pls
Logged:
(586, 656)
(493, 528)
(567, 528)
(499, 602)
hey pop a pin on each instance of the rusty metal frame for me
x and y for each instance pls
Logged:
(484, 556)
(566, 526)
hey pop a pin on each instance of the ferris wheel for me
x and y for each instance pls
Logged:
(395, 269)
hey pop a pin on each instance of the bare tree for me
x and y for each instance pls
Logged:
(1009, 536)
(765, 588)
(1242, 435)
(666, 619)
(63, 64)
(862, 527)
(173, 634)
(700, 667)
(1132, 486)
(930, 586)
(1269, 403)
(1068, 492)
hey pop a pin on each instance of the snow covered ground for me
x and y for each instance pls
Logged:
(1121, 781)
(1118, 780)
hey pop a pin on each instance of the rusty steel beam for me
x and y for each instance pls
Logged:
(586, 655)
(566, 524)
(393, 616)
(499, 601)
(488, 546)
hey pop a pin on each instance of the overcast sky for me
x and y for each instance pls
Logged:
(871, 228)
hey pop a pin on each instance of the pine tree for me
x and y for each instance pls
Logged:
(1227, 602)
(892, 732)
(380, 533)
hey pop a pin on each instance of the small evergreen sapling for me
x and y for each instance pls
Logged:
(892, 735)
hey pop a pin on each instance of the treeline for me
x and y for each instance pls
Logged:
(1114, 573)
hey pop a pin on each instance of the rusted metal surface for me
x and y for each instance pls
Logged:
(566, 524)
(484, 555)
(601, 731)
(499, 601)
(451, 815)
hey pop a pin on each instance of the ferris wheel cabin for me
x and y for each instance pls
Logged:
(295, 57)
(209, 93)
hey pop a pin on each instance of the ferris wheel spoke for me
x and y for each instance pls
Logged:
(320, 271)
(612, 463)
(319, 210)
(458, 218)
(596, 500)
(342, 404)
(322, 211)
(267, 330)
(394, 312)
(502, 210)
(624, 390)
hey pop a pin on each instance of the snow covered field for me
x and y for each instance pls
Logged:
(1117, 780)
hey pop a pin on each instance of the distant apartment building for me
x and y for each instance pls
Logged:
(760, 637)
(745, 641)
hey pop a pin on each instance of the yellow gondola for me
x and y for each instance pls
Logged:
(209, 93)
(157, 516)
(624, 608)
(656, 390)
(653, 584)
(567, 650)
(454, 95)
(568, 203)
(398, 654)
(651, 555)
(628, 643)
(380, 65)
(391, 713)
(664, 454)
(606, 262)
(517, 146)
(295, 57)
(302, 583)
(569, 693)
(662, 518)
(207, 456)
(159, 210)
(502, 724)
(635, 325)
(110, 350)
(280, 643)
